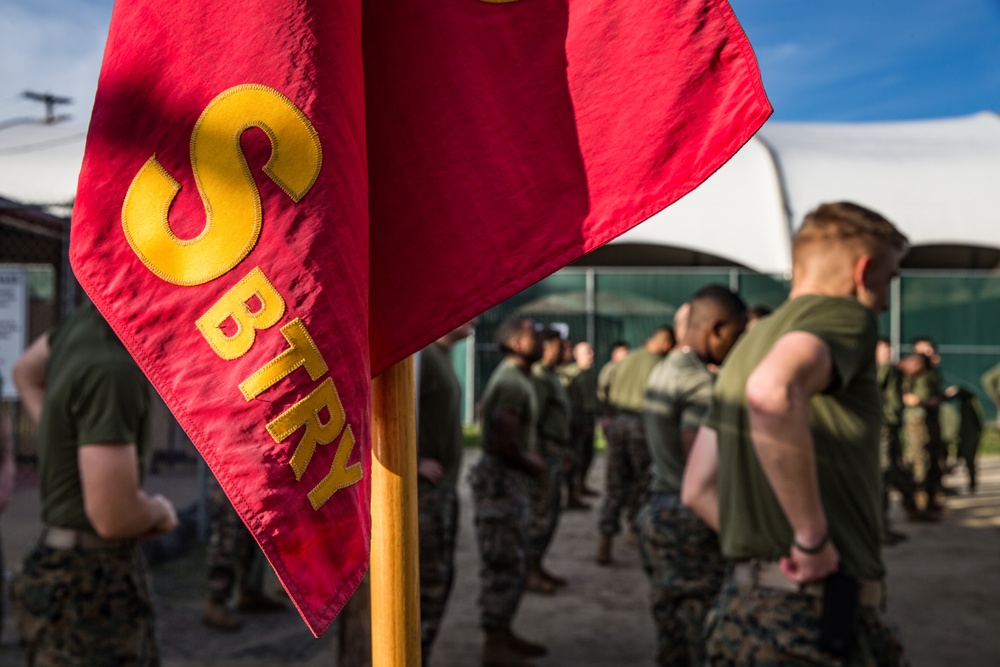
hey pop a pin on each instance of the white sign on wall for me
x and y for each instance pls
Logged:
(13, 323)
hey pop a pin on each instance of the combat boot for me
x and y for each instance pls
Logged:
(218, 616)
(538, 583)
(604, 550)
(555, 579)
(498, 651)
(525, 647)
(574, 501)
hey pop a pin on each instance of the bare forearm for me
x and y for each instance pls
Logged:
(145, 515)
(700, 488)
(784, 448)
(29, 377)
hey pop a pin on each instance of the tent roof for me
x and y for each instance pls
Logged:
(936, 179)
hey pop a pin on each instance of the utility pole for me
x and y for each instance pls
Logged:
(50, 101)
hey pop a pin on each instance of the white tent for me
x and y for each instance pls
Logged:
(939, 180)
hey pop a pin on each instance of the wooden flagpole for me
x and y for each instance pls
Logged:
(395, 590)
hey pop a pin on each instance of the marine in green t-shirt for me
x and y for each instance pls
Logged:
(93, 406)
(580, 380)
(439, 422)
(844, 422)
(787, 466)
(500, 481)
(94, 394)
(680, 554)
(439, 458)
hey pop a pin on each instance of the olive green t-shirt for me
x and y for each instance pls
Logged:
(890, 383)
(553, 404)
(678, 396)
(604, 378)
(439, 428)
(94, 394)
(581, 385)
(991, 383)
(845, 421)
(628, 385)
(510, 389)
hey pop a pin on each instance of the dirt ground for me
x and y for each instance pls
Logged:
(944, 584)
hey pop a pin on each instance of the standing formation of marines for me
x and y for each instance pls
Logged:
(752, 467)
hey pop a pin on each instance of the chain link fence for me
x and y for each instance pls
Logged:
(960, 311)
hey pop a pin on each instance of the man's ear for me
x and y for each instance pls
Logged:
(862, 265)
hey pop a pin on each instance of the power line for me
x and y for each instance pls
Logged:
(42, 145)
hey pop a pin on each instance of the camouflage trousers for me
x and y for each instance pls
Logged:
(437, 512)
(545, 493)
(923, 451)
(627, 474)
(582, 443)
(681, 556)
(770, 628)
(85, 608)
(895, 473)
(232, 552)
(502, 514)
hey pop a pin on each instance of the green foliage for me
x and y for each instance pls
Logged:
(989, 445)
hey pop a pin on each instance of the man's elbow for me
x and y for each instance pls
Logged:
(768, 398)
(110, 525)
(694, 492)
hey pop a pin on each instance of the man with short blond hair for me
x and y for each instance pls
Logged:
(787, 465)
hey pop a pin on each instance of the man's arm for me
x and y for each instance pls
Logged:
(507, 428)
(991, 383)
(8, 466)
(700, 490)
(778, 392)
(116, 506)
(29, 377)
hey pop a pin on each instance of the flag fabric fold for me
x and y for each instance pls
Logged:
(279, 199)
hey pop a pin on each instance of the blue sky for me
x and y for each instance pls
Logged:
(852, 60)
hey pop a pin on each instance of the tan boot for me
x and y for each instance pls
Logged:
(525, 647)
(499, 652)
(554, 579)
(538, 583)
(258, 603)
(218, 616)
(574, 502)
(604, 550)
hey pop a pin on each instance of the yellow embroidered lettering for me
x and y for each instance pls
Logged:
(301, 351)
(340, 474)
(307, 413)
(228, 191)
(252, 304)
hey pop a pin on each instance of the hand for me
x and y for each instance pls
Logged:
(911, 400)
(802, 568)
(8, 474)
(536, 464)
(430, 469)
(951, 392)
(167, 516)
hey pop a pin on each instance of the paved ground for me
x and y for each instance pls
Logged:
(944, 586)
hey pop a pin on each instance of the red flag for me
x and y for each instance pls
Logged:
(222, 222)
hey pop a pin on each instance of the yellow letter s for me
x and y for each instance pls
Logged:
(228, 192)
